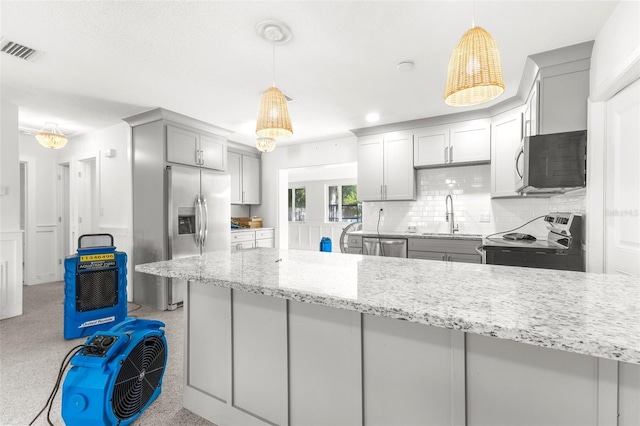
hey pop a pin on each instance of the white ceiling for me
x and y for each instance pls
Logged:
(104, 60)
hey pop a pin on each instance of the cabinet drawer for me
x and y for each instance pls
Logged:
(354, 250)
(237, 237)
(354, 241)
(443, 246)
(242, 245)
(264, 233)
(427, 255)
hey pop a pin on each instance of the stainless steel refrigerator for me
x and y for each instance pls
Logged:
(197, 211)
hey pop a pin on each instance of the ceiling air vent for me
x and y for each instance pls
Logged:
(18, 50)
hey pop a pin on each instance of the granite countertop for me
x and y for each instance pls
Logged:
(591, 314)
(249, 229)
(384, 234)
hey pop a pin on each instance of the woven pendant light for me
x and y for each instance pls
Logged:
(273, 114)
(475, 70)
(265, 144)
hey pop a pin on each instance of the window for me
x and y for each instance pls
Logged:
(297, 204)
(343, 204)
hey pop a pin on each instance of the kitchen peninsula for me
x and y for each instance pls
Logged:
(299, 337)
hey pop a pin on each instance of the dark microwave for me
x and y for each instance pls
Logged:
(553, 163)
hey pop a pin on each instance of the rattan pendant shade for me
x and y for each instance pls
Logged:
(475, 70)
(273, 115)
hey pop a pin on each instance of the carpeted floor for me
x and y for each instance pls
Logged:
(32, 347)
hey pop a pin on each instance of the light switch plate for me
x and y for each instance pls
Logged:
(485, 217)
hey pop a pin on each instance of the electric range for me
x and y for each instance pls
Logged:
(563, 248)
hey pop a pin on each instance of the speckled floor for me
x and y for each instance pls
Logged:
(32, 348)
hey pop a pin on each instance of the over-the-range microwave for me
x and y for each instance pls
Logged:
(553, 163)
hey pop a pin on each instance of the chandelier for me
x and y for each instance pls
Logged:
(50, 137)
(265, 144)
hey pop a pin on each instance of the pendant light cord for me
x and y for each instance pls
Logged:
(274, 60)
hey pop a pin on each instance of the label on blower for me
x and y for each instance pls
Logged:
(97, 321)
(93, 257)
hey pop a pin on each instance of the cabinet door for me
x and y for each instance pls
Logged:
(431, 146)
(399, 174)
(214, 152)
(470, 142)
(370, 168)
(182, 146)
(250, 180)
(235, 170)
(563, 102)
(505, 139)
(531, 127)
(266, 242)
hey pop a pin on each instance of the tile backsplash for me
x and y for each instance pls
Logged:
(475, 212)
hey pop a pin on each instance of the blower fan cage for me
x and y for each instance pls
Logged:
(117, 374)
(139, 378)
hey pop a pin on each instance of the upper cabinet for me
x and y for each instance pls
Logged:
(196, 149)
(385, 167)
(558, 98)
(506, 135)
(245, 178)
(467, 142)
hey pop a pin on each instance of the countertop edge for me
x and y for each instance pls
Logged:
(583, 347)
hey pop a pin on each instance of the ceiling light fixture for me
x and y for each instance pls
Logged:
(273, 114)
(50, 137)
(265, 144)
(373, 117)
(475, 70)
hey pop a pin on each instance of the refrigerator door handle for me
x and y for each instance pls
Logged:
(198, 220)
(206, 221)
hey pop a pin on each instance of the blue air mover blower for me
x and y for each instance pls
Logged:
(116, 376)
(95, 292)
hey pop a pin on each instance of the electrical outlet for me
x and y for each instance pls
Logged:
(485, 217)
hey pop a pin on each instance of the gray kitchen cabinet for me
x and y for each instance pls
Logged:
(467, 142)
(385, 167)
(450, 250)
(506, 135)
(557, 101)
(245, 178)
(354, 244)
(196, 149)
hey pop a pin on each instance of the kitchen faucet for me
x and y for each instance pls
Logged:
(452, 228)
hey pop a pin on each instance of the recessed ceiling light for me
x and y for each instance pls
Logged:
(405, 66)
(372, 117)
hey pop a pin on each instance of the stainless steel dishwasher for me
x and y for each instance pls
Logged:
(389, 247)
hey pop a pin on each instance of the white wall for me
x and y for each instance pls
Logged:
(113, 184)
(615, 60)
(275, 164)
(9, 168)
(307, 235)
(110, 188)
(615, 63)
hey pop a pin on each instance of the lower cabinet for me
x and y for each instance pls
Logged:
(246, 239)
(447, 250)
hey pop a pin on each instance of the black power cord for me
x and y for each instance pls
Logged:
(63, 366)
(515, 229)
(378, 232)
